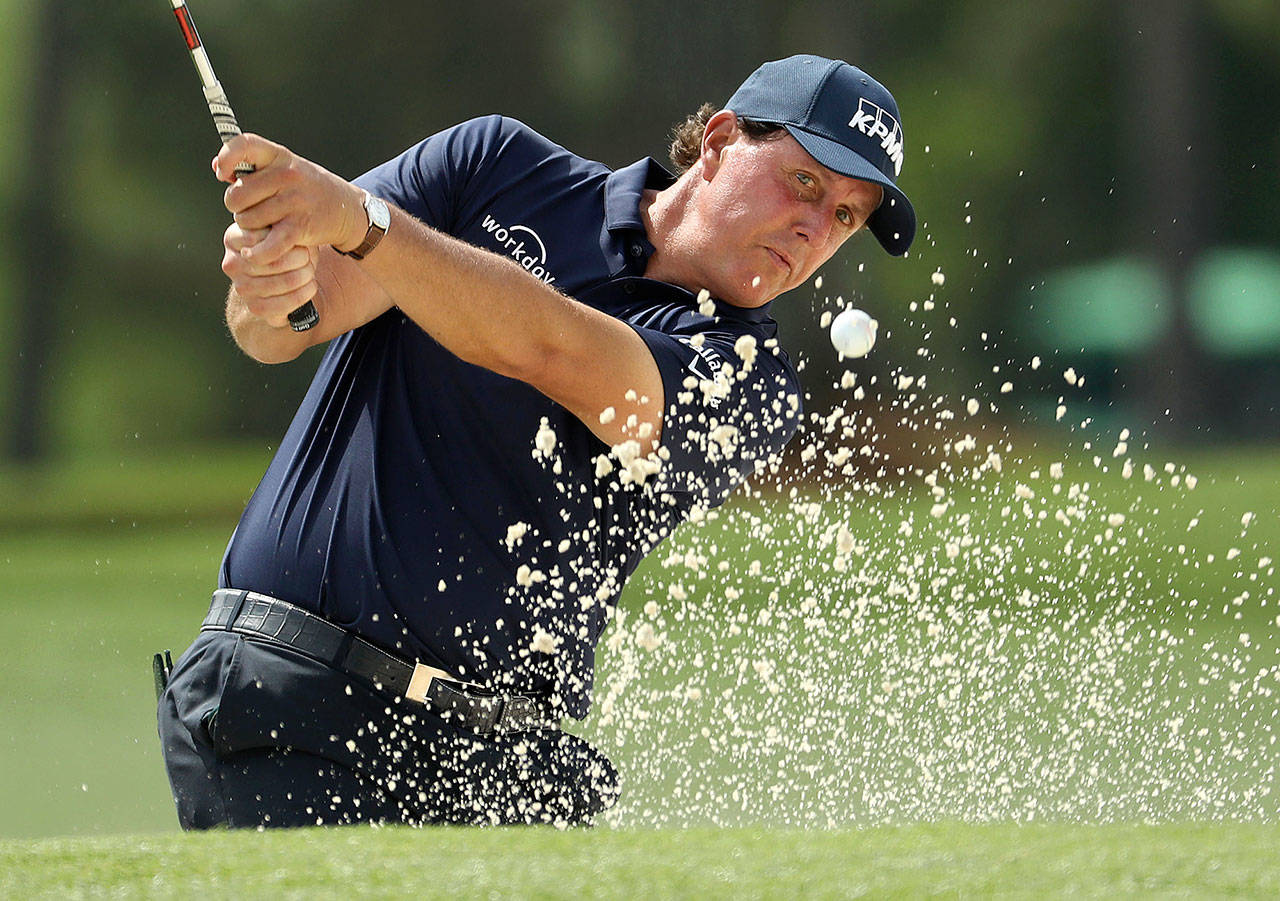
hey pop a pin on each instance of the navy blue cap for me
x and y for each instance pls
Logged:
(846, 120)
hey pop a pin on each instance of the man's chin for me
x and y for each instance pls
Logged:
(754, 291)
(750, 298)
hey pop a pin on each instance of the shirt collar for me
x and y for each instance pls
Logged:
(624, 189)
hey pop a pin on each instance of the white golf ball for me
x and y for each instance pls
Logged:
(853, 333)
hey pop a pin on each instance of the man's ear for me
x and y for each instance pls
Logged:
(721, 131)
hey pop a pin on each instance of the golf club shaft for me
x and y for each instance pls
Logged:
(224, 119)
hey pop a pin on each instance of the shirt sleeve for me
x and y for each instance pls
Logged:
(431, 178)
(730, 404)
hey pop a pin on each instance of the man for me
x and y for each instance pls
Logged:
(536, 369)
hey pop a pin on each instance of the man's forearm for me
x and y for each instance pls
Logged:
(258, 338)
(487, 310)
(482, 307)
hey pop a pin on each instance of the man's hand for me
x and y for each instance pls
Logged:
(302, 204)
(286, 213)
(269, 290)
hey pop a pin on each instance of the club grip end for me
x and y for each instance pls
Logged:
(303, 318)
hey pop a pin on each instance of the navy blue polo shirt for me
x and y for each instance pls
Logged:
(419, 501)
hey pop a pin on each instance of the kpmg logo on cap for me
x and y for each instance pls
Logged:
(875, 123)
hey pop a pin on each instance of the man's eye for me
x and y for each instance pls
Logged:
(804, 179)
(845, 216)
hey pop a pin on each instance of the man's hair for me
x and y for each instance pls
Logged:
(686, 137)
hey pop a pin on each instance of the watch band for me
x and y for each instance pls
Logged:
(379, 220)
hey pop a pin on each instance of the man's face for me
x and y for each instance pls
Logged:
(767, 215)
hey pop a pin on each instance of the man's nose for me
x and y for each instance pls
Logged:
(814, 225)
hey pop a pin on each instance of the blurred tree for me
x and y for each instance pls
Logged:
(41, 237)
(1171, 155)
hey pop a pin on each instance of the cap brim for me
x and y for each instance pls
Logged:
(894, 221)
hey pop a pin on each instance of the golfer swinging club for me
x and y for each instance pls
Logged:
(536, 368)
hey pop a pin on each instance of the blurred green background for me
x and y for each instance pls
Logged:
(1096, 180)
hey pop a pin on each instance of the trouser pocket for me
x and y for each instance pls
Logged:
(275, 697)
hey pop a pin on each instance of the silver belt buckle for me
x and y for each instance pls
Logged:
(420, 682)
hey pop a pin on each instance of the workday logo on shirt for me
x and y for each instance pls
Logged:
(522, 244)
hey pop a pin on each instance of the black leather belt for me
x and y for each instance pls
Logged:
(250, 613)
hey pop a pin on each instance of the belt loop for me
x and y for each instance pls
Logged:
(339, 660)
(235, 611)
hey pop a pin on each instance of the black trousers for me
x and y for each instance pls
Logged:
(255, 734)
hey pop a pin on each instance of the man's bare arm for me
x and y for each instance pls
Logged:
(482, 307)
(345, 297)
(489, 311)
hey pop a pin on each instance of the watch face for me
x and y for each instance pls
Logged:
(379, 215)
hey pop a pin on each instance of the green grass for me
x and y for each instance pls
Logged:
(102, 563)
(104, 494)
(939, 860)
(84, 611)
